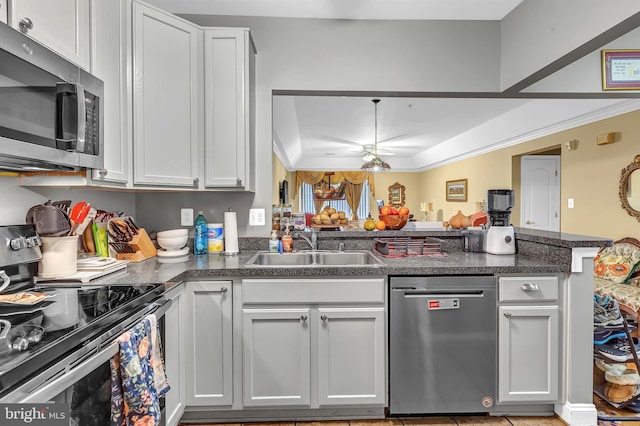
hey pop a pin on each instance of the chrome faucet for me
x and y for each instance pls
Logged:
(313, 242)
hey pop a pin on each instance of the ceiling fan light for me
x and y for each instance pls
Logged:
(368, 156)
(375, 165)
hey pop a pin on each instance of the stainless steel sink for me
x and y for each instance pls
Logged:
(265, 258)
(341, 258)
(314, 258)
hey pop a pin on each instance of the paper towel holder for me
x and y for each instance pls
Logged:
(230, 234)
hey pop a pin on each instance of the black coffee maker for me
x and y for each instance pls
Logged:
(500, 235)
(499, 205)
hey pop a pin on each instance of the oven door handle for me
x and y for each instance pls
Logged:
(53, 388)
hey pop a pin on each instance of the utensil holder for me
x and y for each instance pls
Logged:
(143, 246)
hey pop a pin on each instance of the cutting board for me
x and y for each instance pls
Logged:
(89, 274)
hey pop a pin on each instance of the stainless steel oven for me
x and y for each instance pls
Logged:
(82, 379)
(58, 349)
(50, 109)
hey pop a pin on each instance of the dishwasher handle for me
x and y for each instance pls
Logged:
(460, 294)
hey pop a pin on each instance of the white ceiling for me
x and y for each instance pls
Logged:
(328, 132)
(346, 9)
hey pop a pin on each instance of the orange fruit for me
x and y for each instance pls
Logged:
(385, 210)
(404, 211)
(380, 225)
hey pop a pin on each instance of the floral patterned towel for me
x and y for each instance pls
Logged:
(134, 397)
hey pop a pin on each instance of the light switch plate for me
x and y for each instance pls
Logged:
(570, 203)
(256, 217)
(186, 217)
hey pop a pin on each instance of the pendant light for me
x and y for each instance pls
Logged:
(375, 164)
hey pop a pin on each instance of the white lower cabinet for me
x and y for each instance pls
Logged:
(276, 368)
(313, 343)
(174, 356)
(208, 351)
(351, 356)
(528, 339)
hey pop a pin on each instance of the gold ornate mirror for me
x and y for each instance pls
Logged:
(629, 190)
(396, 195)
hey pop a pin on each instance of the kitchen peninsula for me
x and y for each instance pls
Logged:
(234, 296)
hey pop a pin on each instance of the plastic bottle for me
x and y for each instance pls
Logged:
(287, 242)
(273, 242)
(200, 239)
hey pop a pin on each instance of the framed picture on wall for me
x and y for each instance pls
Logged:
(620, 69)
(456, 190)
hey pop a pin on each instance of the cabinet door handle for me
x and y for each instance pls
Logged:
(530, 287)
(530, 222)
(223, 290)
(323, 317)
(303, 317)
(103, 172)
(25, 25)
(507, 314)
(196, 182)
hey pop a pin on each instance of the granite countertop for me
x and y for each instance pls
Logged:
(158, 270)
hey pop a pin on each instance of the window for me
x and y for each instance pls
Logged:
(307, 206)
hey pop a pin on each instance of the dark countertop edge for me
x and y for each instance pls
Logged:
(561, 239)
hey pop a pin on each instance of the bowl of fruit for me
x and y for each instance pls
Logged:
(393, 218)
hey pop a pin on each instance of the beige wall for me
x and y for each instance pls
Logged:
(590, 175)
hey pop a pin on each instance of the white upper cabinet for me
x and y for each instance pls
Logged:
(229, 63)
(165, 99)
(108, 63)
(61, 25)
(3, 11)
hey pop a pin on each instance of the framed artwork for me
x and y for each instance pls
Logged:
(456, 190)
(396, 195)
(621, 70)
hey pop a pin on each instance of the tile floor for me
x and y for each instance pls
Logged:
(470, 421)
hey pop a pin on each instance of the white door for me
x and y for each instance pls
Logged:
(165, 99)
(351, 357)
(540, 192)
(276, 364)
(209, 343)
(528, 357)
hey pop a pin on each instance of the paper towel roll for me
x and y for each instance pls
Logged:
(230, 233)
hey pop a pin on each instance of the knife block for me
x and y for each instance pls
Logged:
(143, 246)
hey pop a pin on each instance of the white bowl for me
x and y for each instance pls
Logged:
(173, 233)
(173, 243)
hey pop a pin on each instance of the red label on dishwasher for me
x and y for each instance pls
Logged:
(443, 304)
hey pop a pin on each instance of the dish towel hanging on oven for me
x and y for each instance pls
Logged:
(134, 393)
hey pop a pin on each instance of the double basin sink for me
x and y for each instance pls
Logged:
(314, 258)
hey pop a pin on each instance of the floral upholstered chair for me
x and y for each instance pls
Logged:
(617, 274)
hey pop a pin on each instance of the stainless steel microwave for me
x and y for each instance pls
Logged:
(50, 109)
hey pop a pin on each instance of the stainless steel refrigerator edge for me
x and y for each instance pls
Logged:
(443, 345)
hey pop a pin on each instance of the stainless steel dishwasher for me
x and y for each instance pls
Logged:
(442, 344)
